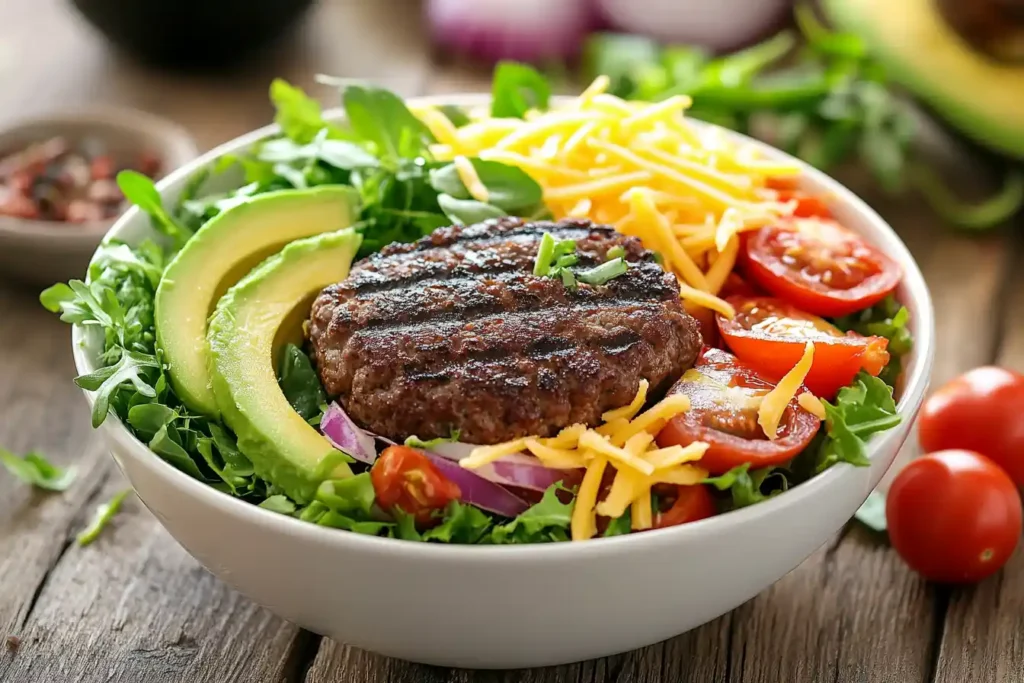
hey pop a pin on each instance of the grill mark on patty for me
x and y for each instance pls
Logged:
(483, 234)
(391, 322)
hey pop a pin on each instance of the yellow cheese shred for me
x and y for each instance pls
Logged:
(471, 179)
(630, 411)
(640, 511)
(584, 523)
(812, 405)
(773, 405)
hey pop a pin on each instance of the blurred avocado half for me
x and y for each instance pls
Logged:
(192, 34)
(963, 58)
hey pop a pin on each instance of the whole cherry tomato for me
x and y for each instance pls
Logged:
(978, 411)
(953, 516)
(406, 480)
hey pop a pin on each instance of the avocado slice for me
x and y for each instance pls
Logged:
(982, 98)
(284, 449)
(216, 257)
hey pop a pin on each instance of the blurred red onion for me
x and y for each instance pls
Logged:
(534, 31)
(719, 25)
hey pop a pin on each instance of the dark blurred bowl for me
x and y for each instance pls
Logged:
(192, 33)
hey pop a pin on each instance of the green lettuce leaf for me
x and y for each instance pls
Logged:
(885, 319)
(545, 522)
(101, 518)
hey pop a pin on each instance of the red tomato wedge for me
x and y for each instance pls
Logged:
(725, 394)
(770, 334)
(818, 265)
(683, 504)
(807, 206)
(406, 480)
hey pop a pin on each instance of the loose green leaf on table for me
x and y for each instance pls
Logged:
(101, 518)
(36, 470)
(872, 513)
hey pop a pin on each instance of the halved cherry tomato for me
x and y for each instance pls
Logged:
(818, 265)
(978, 411)
(953, 516)
(770, 334)
(683, 504)
(725, 394)
(405, 479)
(807, 206)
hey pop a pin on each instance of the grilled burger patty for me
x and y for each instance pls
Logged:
(454, 332)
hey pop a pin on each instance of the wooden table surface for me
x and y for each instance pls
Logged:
(135, 607)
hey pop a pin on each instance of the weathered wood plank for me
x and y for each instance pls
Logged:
(695, 657)
(981, 638)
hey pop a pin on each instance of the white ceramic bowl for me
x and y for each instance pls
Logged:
(514, 606)
(43, 252)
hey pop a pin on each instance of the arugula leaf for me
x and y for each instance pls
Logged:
(298, 114)
(509, 188)
(885, 319)
(36, 470)
(545, 522)
(300, 383)
(621, 57)
(872, 513)
(132, 367)
(462, 524)
(279, 503)
(141, 191)
(101, 518)
(516, 89)
(167, 444)
(467, 211)
(337, 153)
(381, 119)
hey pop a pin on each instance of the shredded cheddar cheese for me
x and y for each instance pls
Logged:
(684, 191)
(773, 405)
(812, 405)
(625, 442)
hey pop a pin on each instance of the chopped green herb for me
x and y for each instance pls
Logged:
(616, 252)
(104, 513)
(416, 442)
(545, 254)
(36, 470)
(568, 279)
(602, 274)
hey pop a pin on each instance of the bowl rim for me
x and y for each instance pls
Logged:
(912, 396)
(173, 141)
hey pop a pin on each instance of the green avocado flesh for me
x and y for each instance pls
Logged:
(982, 98)
(284, 449)
(216, 257)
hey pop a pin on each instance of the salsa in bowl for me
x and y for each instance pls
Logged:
(675, 443)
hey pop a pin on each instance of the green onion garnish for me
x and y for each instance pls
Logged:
(567, 260)
(568, 279)
(545, 254)
(616, 252)
(601, 274)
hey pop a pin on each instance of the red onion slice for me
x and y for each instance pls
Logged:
(519, 470)
(478, 491)
(524, 30)
(343, 433)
